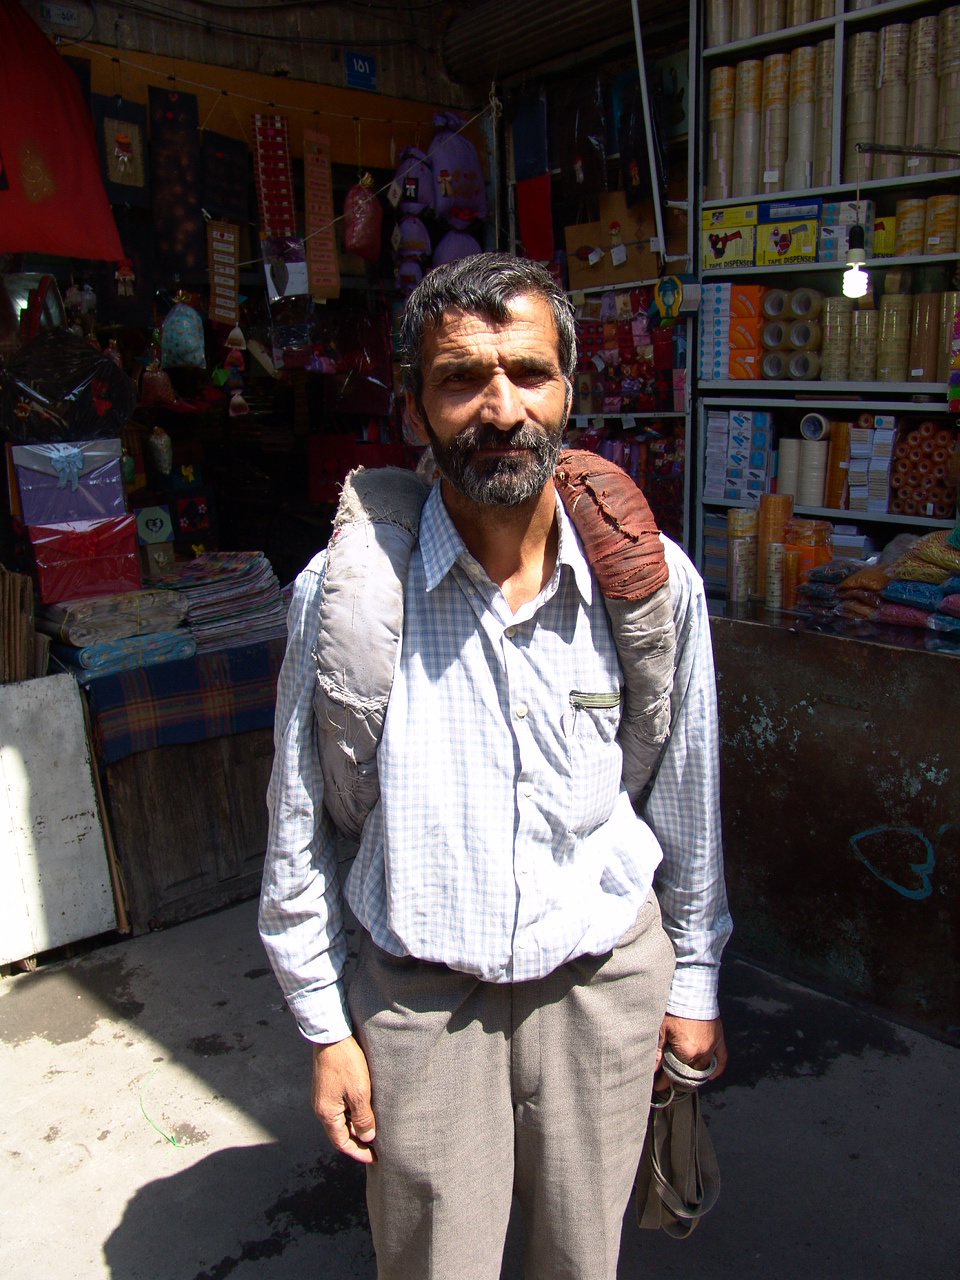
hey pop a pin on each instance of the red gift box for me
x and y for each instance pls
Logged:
(83, 558)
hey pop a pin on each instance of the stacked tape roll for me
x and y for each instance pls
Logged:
(774, 121)
(864, 340)
(838, 462)
(776, 304)
(791, 577)
(860, 104)
(771, 16)
(919, 481)
(802, 118)
(804, 366)
(805, 304)
(891, 120)
(719, 23)
(824, 8)
(744, 19)
(741, 553)
(814, 426)
(924, 338)
(788, 467)
(861, 4)
(804, 335)
(823, 116)
(911, 222)
(799, 12)
(837, 322)
(940, 224)
(720, 117)
(812, 482)
(893, 349)
(773, 586)
(775, 510)
(948, 80)
(922, 92)
(773, 366)
(746, 127)
(948, 309)
(775, 335)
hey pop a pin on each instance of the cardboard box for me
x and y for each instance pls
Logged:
(786, 242)
(789, 210)
(746, 300)
(745, 334)
(835, 241)
(57, 483)
(742, 215)
(634, 227)
(884, 236)
(733, 247)
(745, 364)
(847, 212)
(82, 558)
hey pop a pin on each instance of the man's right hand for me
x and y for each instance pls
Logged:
(341, 1098)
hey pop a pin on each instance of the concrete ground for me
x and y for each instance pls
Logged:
(155, 1126)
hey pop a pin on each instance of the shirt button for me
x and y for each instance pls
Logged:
(510, 632)
(522, 710)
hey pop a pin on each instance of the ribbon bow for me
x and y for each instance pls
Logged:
(67, 465)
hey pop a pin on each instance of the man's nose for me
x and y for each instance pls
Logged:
(501, 406)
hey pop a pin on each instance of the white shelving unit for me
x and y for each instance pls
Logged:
(851, 397)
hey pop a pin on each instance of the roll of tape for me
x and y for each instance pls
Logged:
(805, 335)
(814, 426)
(775, 303)
(774, 335)
(804, 365)
(805, 304)
(774, 365)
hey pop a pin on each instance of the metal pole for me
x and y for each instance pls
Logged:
(648, 127)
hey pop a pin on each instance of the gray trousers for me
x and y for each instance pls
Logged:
(484, 1090)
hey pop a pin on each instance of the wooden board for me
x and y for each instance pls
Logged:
(190, 825)
(54, 878)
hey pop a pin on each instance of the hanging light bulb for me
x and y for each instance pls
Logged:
(855, 279)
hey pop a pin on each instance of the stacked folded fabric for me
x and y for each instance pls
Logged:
(233, 597)
(109, 658)
(102, 619)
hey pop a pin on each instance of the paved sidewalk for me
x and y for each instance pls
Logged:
(156, 1127)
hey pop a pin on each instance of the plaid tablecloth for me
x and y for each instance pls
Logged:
(207, 696)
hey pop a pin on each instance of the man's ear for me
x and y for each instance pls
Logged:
(414, 417)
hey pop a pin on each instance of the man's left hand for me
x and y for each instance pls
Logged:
(693, 1041)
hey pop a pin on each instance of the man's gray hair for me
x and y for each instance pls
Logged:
(481, 285)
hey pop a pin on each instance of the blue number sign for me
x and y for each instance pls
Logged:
(361, 71)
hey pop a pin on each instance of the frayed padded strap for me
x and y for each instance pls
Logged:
(615, 524)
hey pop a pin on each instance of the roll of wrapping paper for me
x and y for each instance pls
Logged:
(791, 577)
(864, 341)
(805, 304)
(911, 221)
(838, 461)
(823, 116)
(775, 335)
(804, 335)
(774, 121)
(940, 224)
(775, 510)
(771, 16)
(948, 116)
(893, 349)
(836, 319)
(814, 426)
(788, 467)
(744, 19)
(719, 23)
(924, 338)
(776, 304)
(804, 366)
(720, 117)
(773, 587)
(812, 480)
(948, 309)
(798, 171)
(746, 127)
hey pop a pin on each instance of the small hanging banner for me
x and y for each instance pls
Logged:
(323, 270)
(223, 258)
(226, 177)
(175, 179)
(121, 129)
(271, 163)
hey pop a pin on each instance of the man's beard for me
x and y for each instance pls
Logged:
(497, 481)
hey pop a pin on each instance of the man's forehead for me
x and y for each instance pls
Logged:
(529, 312)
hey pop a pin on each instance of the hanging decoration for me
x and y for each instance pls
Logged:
(175, 175)
(412, 188)
(362, 220)
(223, 264)
(121, 129)
(323, 272)
(274, 176)
(459, 191)
(225, 165)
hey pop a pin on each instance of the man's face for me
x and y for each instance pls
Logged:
(494, 403)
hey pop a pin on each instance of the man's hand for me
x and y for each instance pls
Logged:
(341, 1098)
(692, 1041)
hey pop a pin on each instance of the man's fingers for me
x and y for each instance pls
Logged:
(341, 1098)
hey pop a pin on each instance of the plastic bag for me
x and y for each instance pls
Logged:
(413, 239)
(362, 220)
(181, 339)
(60, 387)
(453, 246)
(414, 177)
(459, 191)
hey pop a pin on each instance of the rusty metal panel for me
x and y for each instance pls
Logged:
(840, 763)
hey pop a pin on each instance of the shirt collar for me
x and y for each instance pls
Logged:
(441, 546)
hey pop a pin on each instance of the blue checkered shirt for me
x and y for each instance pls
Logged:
(504, 843)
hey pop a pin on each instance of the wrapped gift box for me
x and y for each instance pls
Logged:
(82, 480)
(81, 558)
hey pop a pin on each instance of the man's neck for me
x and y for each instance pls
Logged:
(517, 546)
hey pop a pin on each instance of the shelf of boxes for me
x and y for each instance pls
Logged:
(856, 517)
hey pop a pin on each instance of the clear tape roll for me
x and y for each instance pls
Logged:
(805, 335)
(804, 366)
(775, 335)
(814, 426)
(773, 366)
(744, 19)
(775, 304)
(788, 466)
(805, 304)
(719, 23)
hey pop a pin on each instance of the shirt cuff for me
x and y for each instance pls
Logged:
(693, 992)
(322, 1014)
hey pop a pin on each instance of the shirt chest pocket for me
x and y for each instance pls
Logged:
(592, 720)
